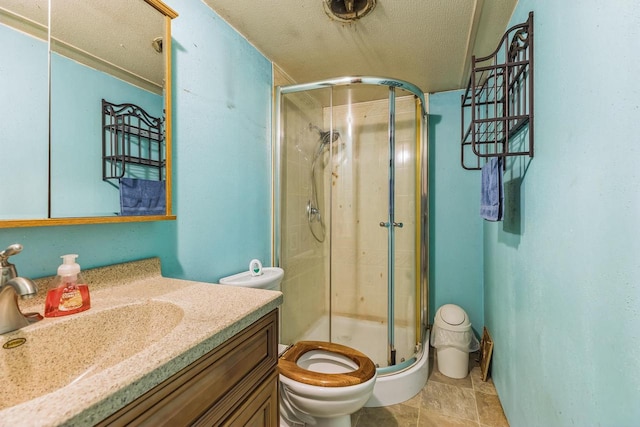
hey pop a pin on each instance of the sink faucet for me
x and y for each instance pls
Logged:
(11, 285)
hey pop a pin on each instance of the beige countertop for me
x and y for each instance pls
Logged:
(207, 316)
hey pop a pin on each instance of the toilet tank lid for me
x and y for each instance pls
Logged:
(452, 314)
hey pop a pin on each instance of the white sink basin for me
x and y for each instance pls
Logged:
(269, 279)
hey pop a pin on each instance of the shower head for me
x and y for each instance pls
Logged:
(326, 137)
(329, 136)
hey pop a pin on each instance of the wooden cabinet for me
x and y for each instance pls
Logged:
(236, 384)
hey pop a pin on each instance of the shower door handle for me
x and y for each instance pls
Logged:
(395, 224)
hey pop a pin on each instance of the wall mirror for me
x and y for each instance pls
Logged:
(66, 59)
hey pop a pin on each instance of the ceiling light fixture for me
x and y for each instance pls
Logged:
(348, 10)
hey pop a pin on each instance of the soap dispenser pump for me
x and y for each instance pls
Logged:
(68, 293)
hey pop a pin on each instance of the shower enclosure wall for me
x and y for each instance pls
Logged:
(350, 225)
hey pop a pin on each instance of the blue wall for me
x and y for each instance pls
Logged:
(97, 245)
(222, 99)
(222, 167)
(562, 293)
(454, 214)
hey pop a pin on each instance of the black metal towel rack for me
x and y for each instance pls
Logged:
(130, 136)
(498, 101)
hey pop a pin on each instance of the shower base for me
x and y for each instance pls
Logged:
(400, 386)
(391, 387)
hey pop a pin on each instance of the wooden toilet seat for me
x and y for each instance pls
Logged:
(287, 365)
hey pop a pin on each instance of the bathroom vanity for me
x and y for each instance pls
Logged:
(234, 384)
(150, 351)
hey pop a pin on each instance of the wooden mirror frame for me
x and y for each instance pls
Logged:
(46, 222)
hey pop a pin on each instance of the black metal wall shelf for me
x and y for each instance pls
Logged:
(130, 136)
(498, 101)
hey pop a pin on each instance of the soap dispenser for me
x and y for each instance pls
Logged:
(68, 293)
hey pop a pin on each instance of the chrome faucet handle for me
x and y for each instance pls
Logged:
(8, 270)
(14, 249)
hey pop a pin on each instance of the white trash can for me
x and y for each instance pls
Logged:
(454, 340)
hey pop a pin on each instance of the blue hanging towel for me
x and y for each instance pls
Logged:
(492, 191)
(142, 197)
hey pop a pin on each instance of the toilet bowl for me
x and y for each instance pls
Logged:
(323, 383)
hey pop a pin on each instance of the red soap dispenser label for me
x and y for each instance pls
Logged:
(68, 299)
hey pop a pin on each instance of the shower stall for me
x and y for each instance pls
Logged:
(350, 226)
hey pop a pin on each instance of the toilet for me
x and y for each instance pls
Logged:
(321, 383)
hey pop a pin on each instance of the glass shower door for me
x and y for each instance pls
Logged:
(304, 218)
(405, 289)
(372, 186)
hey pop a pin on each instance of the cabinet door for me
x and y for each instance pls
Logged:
(260, 409)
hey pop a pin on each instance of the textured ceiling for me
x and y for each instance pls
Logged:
(425, 42)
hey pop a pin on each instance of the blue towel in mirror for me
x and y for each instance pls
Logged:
(492, 192)
(142, 197)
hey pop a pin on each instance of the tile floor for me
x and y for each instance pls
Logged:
(443, 402)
